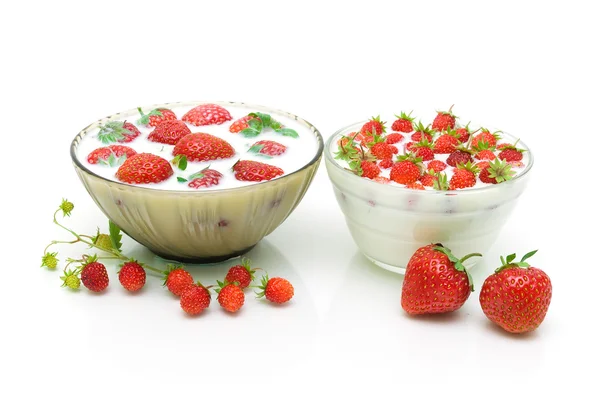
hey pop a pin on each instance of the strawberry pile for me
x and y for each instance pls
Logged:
(516, 296)
(442, 155)
(188, 147)
(194, 297)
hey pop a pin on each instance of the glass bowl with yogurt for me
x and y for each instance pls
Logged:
(389, 221)
(204, 223)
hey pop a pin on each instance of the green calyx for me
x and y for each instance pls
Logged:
(376, 139)
(500, 170)
(180, 161)
(380, 122)
(263, 286)
(458, 264)
(145, 118)
(508, 262)
(50, 260)
(66, 207)
(469, 166)
(170, 268)
(261, 121)
(113, 131)
(419, 127)
(347, 151)
(405, 116)
(221, 285)
(423, 143)
(449, 112)
(113, 160)
(482, 145)
(246, 263)
(441, 181)
(71, 279)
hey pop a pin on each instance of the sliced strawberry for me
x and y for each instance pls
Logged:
(207, 114)
(203, 147)
(268, 148)
(144, 168)
(155, 116)
(255, 171)
(169, 132)
(111, 155)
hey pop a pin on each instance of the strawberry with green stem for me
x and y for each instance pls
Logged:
(276, 290)
(497, 171)
(195, 299)
(230, 296)
(117, 131)
(485, 136)
(424, 150)
(403, 123)
(422, 132)
(347, 150)
(444, 120)
(464, 177)
(261, 121)
(155, 116)
(511, 153)
(242, 273)
(177, 279)
(408, 169)
(375, 126)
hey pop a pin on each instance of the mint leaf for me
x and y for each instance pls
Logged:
(181, 179)
(264, 118)
(115, 235)
(287, 132)
(249, 132)
(256, 148)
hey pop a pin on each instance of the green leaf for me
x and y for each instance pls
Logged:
(256, 124)
(264, 118)
(526, 256)
(287, 132)
(510, 258)
(256, 148)
(115, 235)
(249, 132)
(181, 179)
(156, 112)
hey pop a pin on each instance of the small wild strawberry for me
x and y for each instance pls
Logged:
(195, 299)
(242, 273)
(464, 177)
(231, 297)
(277, 290)
(403, 123)
(66, 207)
(422, 132)
(496, 172)
(444, 120)
(102, 241)
(373, 127)
(132, 276)
(94, 275)
(394, 138)
(177, 279)
(49, 260)
(407, 170)
(71, 279)
(511, 153)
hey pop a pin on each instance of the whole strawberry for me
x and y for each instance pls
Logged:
(422, 132)
(464, 177)
(71, 279)
(517, 296)
(407, 170)
(461, 155)
(394, 138)
(203, 147)
(231, 297)
(132, 276)
(511, 153)
(169, 132)
(144, 168)
(242, 273)
(485, 136)
(444, 120)
(206, 114)
(195, 299)
(496, 172)
(276, 290)
(155, 116)
(463, 133)
(424, 150)
(437, 165)
(403, 123)
(446, 143)
(373, 127)
(383, 151)
(94, 275)
(245, 170)
(177, 279)
(268, 148)
(435, 281)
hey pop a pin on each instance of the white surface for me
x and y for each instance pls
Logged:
(528, 69)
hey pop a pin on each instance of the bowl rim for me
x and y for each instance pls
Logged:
(331, 160)
(83, 132)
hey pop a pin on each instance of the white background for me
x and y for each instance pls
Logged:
(528, 68)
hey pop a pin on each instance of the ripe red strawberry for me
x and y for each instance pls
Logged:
(485, 136)
(424, 150)
(435, 281)
(382, 179)
(255, 171)
(241, 124)
(203, 147)
(446, 143)
(496, 172)
(409, 146)
(132, 276)
(461, 155)
(502, 146)
(94, 275)
(407, 170)
(268, 148)
(103, 154)
(156, 116)
(206, 114)
(511, 153)
(195, 299)
(517, 296)
(464, 176)
(415, 185)
(177, 279)
(144, 168)
(241, 273)
(169, 132)
(368, 169)
(483, 151)
(482, 165)
(463, 133)
(277, 290)
(204, 178)
(383, 151)
(387, 163)
(444, 120)
(428, 178)
(117, 131)
(373, 127)
(437, 180)
(422, 132)
(394, 138)
(404, 123)
(231, 297)
(436, 165)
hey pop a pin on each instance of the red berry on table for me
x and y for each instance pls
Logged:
(203, 147)
(155, 116)
(268, 148)
(422, 132)
(231, 297)
(435, 281)
(242, 273)
(241, 124)
(206, 114)
(446, 143)
(373, 127)
(464, 177)
(437, 165)
(394, 138)
(496, 172)
(403, 123)
(407, 170)
(245, 170)
(516, 296)
(424, 150)
(117, 131)
(169, 132)
(276, 290)
(195, 299)
(94, 275)
(177, 280)
(102, 155)
(204, 178)
(144, 168)
(444, 120)
(132, 276)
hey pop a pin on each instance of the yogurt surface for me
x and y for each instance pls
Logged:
(300, 150)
